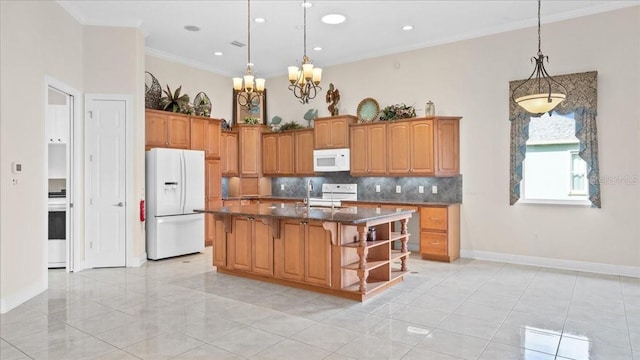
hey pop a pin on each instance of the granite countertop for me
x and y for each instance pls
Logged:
(389, 202)
(345, 215)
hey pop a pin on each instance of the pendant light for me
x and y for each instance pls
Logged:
(305, 82)
(248, 93)
(538, 97)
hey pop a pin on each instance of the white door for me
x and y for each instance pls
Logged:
(107, 203)
(194, 180)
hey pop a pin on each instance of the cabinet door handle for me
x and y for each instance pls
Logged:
(435, 242)
(434, 218)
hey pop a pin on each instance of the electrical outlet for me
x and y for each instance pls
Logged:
(434, 189)
(398, 189)
(377, 188)
(281, 186)
(420, 189)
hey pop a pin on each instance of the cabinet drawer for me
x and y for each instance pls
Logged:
(433, 218)
(433, 243)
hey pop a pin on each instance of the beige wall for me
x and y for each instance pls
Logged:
(470, 79)
(38, 38)
(114, 64)
(217, 87)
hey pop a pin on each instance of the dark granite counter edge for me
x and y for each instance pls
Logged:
(386, 202)
(315, 214)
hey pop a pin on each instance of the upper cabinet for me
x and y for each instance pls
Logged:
(303, 152)
(368, 149)
(205, 135)
(165, 129)
(278, 153)
(229, 140)
(448, 146)
(410, 147)
(288, 153)
(58, 121)
(333, 132)
(249, 144)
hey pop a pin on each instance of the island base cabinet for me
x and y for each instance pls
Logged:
(219, 243)
(250, 246)
(303, 253)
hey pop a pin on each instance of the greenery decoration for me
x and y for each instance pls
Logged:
(175, 102)
(397, 111)
(291, 125)
(251, 121)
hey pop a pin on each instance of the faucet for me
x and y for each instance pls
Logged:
(309, 189)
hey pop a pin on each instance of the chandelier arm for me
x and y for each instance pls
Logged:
(513, 93)
(551, 80)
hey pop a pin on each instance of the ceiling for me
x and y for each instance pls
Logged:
(371, 29)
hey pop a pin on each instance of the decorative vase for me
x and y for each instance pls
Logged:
(429, 109)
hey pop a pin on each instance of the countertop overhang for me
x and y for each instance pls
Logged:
(344, 215)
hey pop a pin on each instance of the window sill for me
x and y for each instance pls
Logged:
(554, 202)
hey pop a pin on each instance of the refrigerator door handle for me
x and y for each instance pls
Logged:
(185, 183)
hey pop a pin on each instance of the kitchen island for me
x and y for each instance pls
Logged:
(320, 249)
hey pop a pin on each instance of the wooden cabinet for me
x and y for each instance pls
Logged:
(165, 129)
(369, 149)
(219, 242)
(250, 246)
(205, 136)
(424, 147)
(304, 252)
(410, 150)
(229, 153)
(440, 232)
(447, 146)
(303, 152)
(332, 132)
(278, 154)
(249, 144)
(213, 194)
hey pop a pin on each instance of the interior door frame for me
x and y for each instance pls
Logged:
(74, 262)
(129, 171)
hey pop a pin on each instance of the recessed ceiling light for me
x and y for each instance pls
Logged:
(260, 20)
(317, 48)
(217, 53)
(306, 4)
(333, 19)
(407, 27)
(191, 28)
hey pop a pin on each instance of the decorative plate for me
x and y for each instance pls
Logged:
(368, 110)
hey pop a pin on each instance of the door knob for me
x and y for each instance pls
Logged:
(120, 204)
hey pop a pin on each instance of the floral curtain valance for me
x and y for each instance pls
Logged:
(582, 100)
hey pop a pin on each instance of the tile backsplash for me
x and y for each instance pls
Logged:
(449, 188)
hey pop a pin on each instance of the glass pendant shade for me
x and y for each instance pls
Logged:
(540, 103)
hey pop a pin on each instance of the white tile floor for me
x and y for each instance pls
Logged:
(182, 309)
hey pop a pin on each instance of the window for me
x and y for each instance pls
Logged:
(547, 168)
(552, 169)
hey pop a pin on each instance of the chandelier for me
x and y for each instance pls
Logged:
(248, 94)
(305, 82)
(537, 97)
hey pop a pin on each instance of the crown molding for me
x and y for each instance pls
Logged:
(184, 61)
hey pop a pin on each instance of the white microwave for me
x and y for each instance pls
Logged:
(331, 160)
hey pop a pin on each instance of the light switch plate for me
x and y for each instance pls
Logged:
(420, 189)
(434, 189)
(398, 189)
(377, 188)
(281, 186)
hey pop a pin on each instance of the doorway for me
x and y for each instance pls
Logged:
(61, 119)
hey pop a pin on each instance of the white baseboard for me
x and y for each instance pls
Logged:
(621, 270)
(7, 303)
(138, 261)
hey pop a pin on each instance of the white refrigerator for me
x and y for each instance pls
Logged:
(174, 188)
